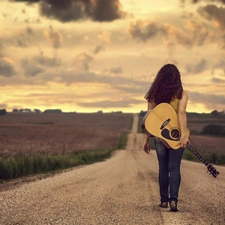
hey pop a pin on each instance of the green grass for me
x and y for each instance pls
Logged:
(18, 166)
(210, 157)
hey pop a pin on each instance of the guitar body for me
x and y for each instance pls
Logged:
(162, 122)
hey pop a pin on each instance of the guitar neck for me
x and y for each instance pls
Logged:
(195, 153)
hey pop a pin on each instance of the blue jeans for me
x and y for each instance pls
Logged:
(169, 171)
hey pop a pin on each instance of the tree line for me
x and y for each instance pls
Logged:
(26, 110)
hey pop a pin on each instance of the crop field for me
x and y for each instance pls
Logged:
(26, 133)
(206, 144)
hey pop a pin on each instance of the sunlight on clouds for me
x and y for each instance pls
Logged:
(51, 57)
(200, 108)
(55, 95)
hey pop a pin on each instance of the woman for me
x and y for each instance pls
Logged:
(167, 87)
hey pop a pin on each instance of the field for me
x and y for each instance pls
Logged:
(25, 133)
(204, 144)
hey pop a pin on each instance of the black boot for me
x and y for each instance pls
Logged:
(173, 206)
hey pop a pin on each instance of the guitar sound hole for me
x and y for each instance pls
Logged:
(175, 133)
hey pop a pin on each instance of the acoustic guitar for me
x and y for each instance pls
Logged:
(162, 122)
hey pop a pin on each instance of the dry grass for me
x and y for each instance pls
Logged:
(60, 133)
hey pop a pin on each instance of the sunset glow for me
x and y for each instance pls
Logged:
(70, 59)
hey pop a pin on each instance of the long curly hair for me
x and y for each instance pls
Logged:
(166, 85)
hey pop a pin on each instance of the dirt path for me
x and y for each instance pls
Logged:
(122, 190)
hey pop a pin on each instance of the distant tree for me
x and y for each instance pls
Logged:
(118, 112)
(213, 129)
(15, 110)
(215, 113)
(3, 112)
(142, 113)
(37, 111)
(25, 110)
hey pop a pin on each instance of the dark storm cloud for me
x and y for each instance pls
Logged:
(6, 67)
(73, 10)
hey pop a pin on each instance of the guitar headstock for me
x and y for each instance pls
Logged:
(213, 170)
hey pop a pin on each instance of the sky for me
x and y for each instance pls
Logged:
(102, 55)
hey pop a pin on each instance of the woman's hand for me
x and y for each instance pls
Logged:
(184, 141)
(147, 147)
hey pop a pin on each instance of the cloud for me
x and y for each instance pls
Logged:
(30, 69)
(175, 33)
(197, 1)
(220, 64)
(98, 49)
(117, 82)
(3, 106)
(54, 36)
(143, 30)
(82, 61)
(218, 80)
(196, 68)
(105, 37)
(199, 32)
(74, 10)
(123, 103)
(29, 30)
(47, 61)
(35, 65)
(116, 70)
(7, 67)
(215, 13)
(208, 99)
(192, 33)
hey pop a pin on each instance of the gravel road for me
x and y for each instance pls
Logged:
(121, 190)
